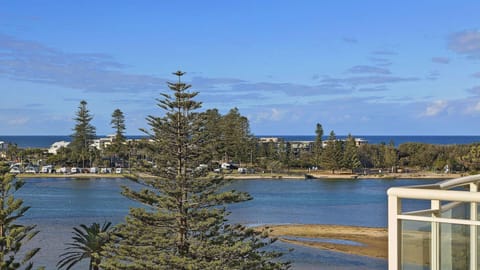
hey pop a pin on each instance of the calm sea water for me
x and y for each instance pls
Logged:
(60, 204)
(47, 141)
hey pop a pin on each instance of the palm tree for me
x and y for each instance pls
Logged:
(88, 242)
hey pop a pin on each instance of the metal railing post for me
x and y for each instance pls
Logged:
(394, 232)
(473, 230)
(435, 236)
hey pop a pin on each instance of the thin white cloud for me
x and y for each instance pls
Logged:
(436, 108)
(350, 40)
(441, 60)
(368, 69)
(384, 52)
(366, 80)
(381, 61)
(34, 62)
(474, 90)
(477, 107)
(18, 121)
(380, 88)
(466, 43)
(272, 114)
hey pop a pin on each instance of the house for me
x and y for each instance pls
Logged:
(56, 146)
(3, 149)
(102, 143)
(358, 142)
(443, 233)
(269, 139)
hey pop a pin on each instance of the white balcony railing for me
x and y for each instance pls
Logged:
(443, 235)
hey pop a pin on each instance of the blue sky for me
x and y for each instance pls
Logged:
(359, 67)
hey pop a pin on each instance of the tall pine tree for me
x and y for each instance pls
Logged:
(118, 149)
(351, 159)
(318, 145)
(183, 225)
(84, 133)
(332, 156)
(118, 123)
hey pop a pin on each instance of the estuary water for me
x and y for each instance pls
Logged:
(58, 204)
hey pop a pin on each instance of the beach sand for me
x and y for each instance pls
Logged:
(372, 242)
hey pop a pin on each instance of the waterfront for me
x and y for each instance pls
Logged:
(61, 203)
(47, 141)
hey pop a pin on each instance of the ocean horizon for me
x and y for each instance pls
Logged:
(45, 141)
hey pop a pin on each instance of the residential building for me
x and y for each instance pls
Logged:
(56, 146)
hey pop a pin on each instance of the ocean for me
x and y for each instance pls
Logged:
(58, 204)
(47, 141)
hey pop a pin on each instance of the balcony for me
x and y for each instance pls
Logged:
(444, 234)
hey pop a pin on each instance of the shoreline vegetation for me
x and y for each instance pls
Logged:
(273, 176)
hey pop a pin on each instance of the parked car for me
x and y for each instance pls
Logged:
(47, 169)
(118, 170)
(229, 166)
(106, 170)
(93, 170)
(15, 170)
(31, 169)
(63, 170)
(242, 170)
(75, 170)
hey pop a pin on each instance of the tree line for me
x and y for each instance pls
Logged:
(230, 140)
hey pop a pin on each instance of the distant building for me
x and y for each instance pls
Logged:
(3, 149)
(358, 142)
(301, 146)
(102, 143)
(56, 146)
(269, 140)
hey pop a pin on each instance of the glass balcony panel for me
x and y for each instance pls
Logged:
(415, 245)
(454, 246)
(457, 210)
(478, 247)
(409, 205)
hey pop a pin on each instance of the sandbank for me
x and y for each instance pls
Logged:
(371, 242)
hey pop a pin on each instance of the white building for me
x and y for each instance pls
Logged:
(443, 234)
(3, 149)
(102, 143)
(56, 146)
(358, 142)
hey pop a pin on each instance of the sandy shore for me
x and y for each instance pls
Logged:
(343, 176)
(371, 242)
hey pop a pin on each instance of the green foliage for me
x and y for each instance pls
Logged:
(317, 146)
(118, 123)
(183, 225)
(213, 133)
(118, 150)
(390, 156)
(471, 160)
(83, 135)
(332, 157)
(12, 235)
(238, 141)
(351, 158)
(88, 243)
